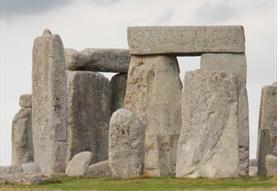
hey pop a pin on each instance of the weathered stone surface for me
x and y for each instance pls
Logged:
(234, 63)
(118, 89)
(182, 40)
(22, 143)
(153, 93)
(30, 168)
(126, 144)
(25, 101)
(49, 103)
(11, 169)
(88, 113)
(100, 169)
(79, 164)
(102, 60)
(23, 178)
(208, 144)
(264, 148)
(271, 165)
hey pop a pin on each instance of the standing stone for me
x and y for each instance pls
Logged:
(153, 93)
(234, 63)
(79, 164)
(49, 103)
(264, 148)
(88, 113)
(208, 144)
(271, 165)
(126, 144)
(22, 143)
(118, 88)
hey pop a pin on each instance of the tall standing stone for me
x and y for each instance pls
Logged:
(208, 144)
(49, 103)
(118, 88)
(153, 93)
(88, 113)
(234, 63)
(22, 142)
(126, 144)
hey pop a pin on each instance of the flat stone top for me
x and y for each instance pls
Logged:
(185, 40)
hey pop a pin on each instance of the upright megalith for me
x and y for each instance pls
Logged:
(153, 93)
(49, 103)
(118, 89)
(22, 142)
(88, 113)
(234, 63)
(126, 144)
(208, 143)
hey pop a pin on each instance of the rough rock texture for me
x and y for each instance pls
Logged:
(153, 93)
(100, 169)
(271, 165)
(22, 143)
(11, 169)
(182, 40)
(102, 60)
(118, 89)
(208, 144)
(79, 164)
(30, 168)
(25, 101)
(234, 63)
(49, 103)
(126, 144)
(264, 148)
(88, 113)
(23, 178)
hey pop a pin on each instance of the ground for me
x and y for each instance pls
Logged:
(151, 184)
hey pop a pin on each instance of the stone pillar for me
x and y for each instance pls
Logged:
(22, 142)
(234, 63)
(126, 146)
(208, 144)
(118, 88)
(88, 113)
(153, 93)
(49, 103)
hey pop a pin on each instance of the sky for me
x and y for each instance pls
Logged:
(103, 24)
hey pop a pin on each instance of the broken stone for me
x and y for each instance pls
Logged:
(100, 169)
(25, 101)
(79, 164)
(118, 89)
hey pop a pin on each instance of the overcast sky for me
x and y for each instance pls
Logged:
(103, 23)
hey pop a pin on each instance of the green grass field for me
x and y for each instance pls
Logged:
(151, 184)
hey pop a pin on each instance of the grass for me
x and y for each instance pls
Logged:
(148, 184)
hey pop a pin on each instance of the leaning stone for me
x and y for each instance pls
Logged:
(49, 103)
(79, 164)
(234, 63)
(264, 148)
(25, 101)
(22, 143)
(118, 89)
(153, 93)
(88, 114)
(126, 144)
(30, 168)
(271, 165)
(100, 169)
(185, 40)
(208, 144)
(100, 60)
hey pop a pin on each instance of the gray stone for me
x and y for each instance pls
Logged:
(11, 169)
(208, 144)
(271, 165)
(100, 169)
(185, 40)
(49, 103)
(22, 143)
(253, 170)
(30, 168)
(88, 113)
(118, 89)
(153, 93)
(23, 178)
(79, 164)
(102, 60)
(234, 63)
(25, 101)
(253, 162)
(126, 144)
(264, 148)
